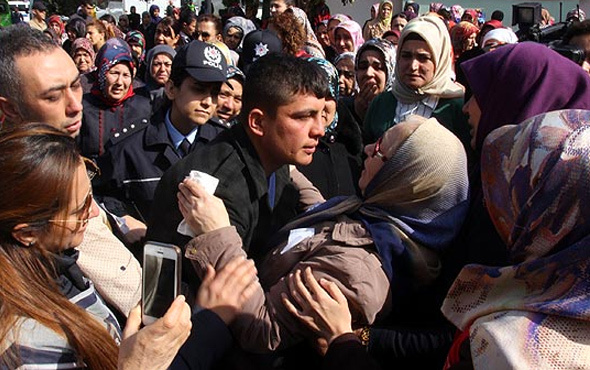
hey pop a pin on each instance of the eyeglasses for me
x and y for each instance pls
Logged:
(84, 213)
(377, 150)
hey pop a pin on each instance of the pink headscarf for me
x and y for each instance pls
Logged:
(355, 31)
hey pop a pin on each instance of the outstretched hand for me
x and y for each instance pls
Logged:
(202, 211)
(323, 307)
(226, 291)
(154, 346)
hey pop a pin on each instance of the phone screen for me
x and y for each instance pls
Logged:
(159, 285)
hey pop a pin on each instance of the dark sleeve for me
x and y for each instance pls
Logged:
(210, 338)
(347, 352)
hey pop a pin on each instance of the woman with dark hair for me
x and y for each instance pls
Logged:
(112, 106)
(75, 28)
(167, 33)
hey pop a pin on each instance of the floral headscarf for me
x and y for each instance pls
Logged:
(435, 7)
(113, 52)
(332, 75)
(459, 35)
(536, 178)
(85, 44)
(457, 13)
(136, 38)
(387, 49)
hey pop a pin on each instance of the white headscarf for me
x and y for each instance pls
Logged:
(433, 30)
(503, 35)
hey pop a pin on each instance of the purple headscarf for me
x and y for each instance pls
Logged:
(519, 81)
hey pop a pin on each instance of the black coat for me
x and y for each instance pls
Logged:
(133, 164)
(101, 123)
(243, 186)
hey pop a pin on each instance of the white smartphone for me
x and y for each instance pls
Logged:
(161, 279)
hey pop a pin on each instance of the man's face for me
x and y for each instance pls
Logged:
(291, 136)
(146, 19)
(398, 23)
(87, 9)
(51, 90)
(160, 69)
(132, 10)
(39, 14)
(583, 42)
(190, 28)
(206, 32)
(277, 7)
(193, 102)
(229, 102)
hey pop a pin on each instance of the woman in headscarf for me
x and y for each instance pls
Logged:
(498, 37)
(348, 37)
(312, 46)
(374, 68)
(423, 83)
(136, 42)
(463, 36)
(508, 87)
(55, 23)
(381, 23)
(471, 16)
(112, 107)
(378, 249)
(412, 7)
(534, 312)
(155, 14)
(75, 28)
(333, 22)
(457, 12)
(235, 30)
(83, 56)
(346, 74)
(158, 69)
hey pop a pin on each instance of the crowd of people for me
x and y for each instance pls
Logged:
(403, 192)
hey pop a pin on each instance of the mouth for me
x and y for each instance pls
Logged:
(223, 115)
(74, 127)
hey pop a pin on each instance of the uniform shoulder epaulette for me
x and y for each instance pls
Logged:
(129, 130)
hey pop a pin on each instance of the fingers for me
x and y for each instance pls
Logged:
(294, 290)
(174, 313)
(312, 283)
(333, 291)
(133, 322)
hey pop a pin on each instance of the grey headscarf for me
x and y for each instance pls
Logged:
(388, 50)
(245, 25)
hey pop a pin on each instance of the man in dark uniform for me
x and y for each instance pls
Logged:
(281, 122)
(133, 164)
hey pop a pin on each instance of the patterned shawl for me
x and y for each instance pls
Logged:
(536, 178)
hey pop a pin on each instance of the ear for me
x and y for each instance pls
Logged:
(10, 110)
(24, 235)
(219, 37)
(170, 90)
(256, 122)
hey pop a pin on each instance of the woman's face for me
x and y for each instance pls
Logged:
(372, 69)
(146, 19)
(332, 24)
(473, 112)
(385, 11)
(346, 76)
(471, 41)
(136, 48)
(165, 36)
(329, 111)
(343, 41)
(398, 23)
(322, 35)
(83, 60)
(373, 163)
(232, 38)
(118, 80)
(56, 27)
(67, 229)
(96, 38)
(161, 68)
(416, 64)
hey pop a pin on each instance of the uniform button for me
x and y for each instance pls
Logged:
(132, 125)
(124, 130)
(144, 120)
(117, 134)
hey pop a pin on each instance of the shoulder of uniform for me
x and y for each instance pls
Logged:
(129, 130)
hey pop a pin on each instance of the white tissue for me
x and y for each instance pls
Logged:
(209, 183)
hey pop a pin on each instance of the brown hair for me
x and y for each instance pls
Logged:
(99, 25)
(38, 165)
(290, 30)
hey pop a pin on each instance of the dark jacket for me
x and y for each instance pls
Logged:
(134, 162)
(101, 123)
(243, 186)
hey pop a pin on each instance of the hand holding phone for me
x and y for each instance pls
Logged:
(161, 279)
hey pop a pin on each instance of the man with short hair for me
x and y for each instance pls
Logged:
(229, 100)
(39, 82)
(134, 18)
(281, 122)
(85, 10)
(39, 12)
(209, 28)
(133, 165)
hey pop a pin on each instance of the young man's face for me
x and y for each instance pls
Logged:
(193, 102)
(277, 7)
(292, 135)
(229, 102)
(51, 91)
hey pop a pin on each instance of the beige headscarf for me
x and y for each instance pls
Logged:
(434, 32)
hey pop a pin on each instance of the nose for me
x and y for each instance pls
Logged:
(369, 149)
(318, 129)
(207, 101)
(74, 99)
(415, 64)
